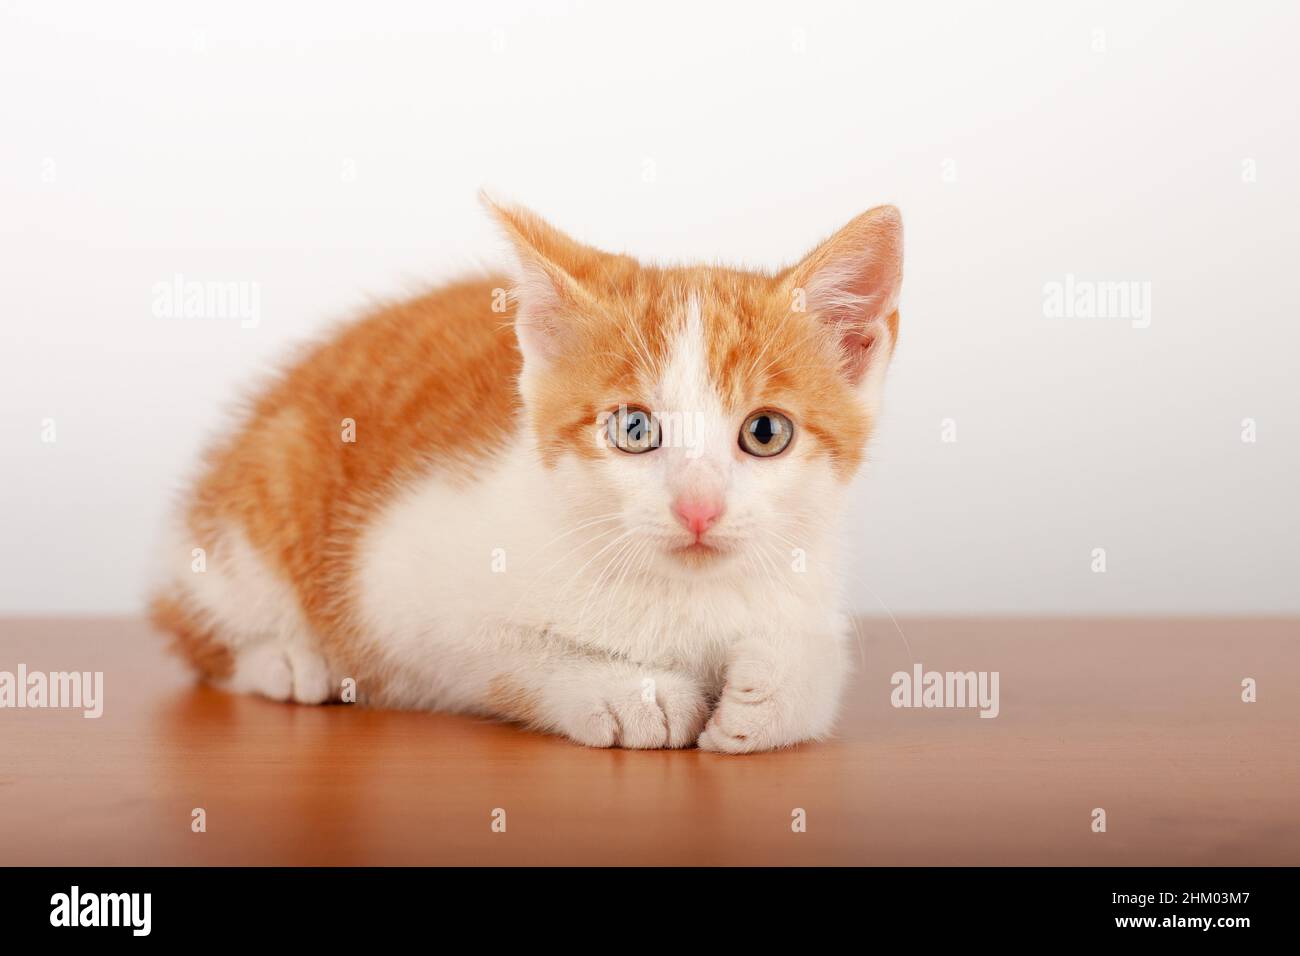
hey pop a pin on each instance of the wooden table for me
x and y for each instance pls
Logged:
(1143, 718)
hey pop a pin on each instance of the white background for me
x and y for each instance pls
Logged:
(334, 155)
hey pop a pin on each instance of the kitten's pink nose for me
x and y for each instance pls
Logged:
(698, 515)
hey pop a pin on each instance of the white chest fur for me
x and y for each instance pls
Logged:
(449, 564)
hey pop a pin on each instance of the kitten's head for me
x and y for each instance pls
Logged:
(697, 419)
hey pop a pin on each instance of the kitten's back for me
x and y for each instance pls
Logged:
(420, 383)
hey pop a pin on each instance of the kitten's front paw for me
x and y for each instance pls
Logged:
(643, 711)
(762, 707)
(282, 671)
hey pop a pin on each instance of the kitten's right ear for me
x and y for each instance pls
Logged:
(548, 275)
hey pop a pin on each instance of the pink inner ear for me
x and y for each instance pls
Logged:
(853, 289)
(859, 347)
(540, 292)
(852, 282)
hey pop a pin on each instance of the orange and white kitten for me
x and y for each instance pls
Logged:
(602, 506)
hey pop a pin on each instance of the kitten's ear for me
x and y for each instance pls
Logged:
(850, 283)
(549, 271)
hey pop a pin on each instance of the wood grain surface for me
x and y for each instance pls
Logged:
(1143, 718)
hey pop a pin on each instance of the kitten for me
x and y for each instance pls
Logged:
(603, 505)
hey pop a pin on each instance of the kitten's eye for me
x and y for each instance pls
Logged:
(633, 430)
(766, 434)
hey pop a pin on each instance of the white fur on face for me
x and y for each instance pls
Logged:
(773, 506)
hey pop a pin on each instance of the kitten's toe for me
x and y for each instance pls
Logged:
(262, 669)
(311, 678)
(593, 725)
(751, 680)
(748, 717)
(667, 710)
(737, 728)
(642, 724)
(684, 707)
(714, 740)
(281, 671)
(647, 712)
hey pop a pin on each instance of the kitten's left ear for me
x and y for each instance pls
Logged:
(850, 283)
